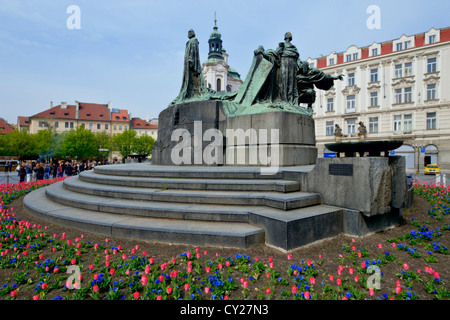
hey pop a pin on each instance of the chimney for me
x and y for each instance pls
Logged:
(109, 105)
(51, 104)
(147, 117)
(77, 108)
(63, 105)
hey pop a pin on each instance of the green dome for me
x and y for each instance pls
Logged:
(215, 34)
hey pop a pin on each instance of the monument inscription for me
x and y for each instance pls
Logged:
(336, 169)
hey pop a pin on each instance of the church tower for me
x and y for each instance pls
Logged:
(219, 76)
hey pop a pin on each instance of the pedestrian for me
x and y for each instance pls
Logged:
(60, 170)
(29, 171)
(39, 171)
(22, 172)
(68, 169)
(47, 171)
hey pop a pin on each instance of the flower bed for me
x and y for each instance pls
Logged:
(42, 262)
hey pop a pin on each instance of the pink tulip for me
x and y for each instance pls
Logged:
(112, 271)
(206, 290)
(95, 288)
(268, 290)
(306, 294)
(289, 256)
(136, 295)
(144, 280)
(350, 270)
(186, 286)
(331, 277)
(169, 290)
(312, 280)
(371, 292)
(339, 281)
(405, 266)
(36, 297)
(398, 290)
(13, 293)
(245, 284)
(294, 289)
(44, 286)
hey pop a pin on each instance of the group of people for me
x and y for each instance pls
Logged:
(30, 171)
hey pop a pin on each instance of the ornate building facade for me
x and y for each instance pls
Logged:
(219, 76)
(399, 90)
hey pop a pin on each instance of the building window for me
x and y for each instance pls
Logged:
(311, 65)
(407, 122)
(432, 39)
(355, 56)
(66, 124)
(99, 126)
(42, 124)
(397, 123)
(351, 103)
(351, 126)
(373, 75)
(351, 79)
(120, 127)
(431, 65)
(431, 121)
(330, 104)
(374, 52)
(408, 69)
(56, 124)
(373, 125)
(329, 128)
(431, 91)
(408, 95)
(126, 127)
(398, 70)
(219, 85)
(398, 95)
(374, 99)
(348, 58)
(331, 62)
(408, 44)
(106, 126)
(399, 46)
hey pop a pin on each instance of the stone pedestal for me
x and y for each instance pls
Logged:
(200, 133)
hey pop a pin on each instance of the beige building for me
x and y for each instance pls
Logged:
(399, 89)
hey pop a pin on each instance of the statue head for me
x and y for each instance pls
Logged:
(191, 34)
(288, 36)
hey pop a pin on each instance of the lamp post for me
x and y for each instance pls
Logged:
(418, 148)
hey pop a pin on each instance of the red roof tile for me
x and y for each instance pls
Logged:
(138, 123)
(5, 127)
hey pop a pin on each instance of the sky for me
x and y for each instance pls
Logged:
(131, 52)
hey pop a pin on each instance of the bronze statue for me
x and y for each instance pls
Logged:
(193, 85)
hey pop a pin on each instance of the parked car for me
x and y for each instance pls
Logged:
(432, 169)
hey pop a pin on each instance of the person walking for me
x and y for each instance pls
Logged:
(22, 172)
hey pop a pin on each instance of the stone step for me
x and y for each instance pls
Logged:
(224, 234)
(283, 201)
(283, 186)
(144, 208)
(197, 224)
(200, 172)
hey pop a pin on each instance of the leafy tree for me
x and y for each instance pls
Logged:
(144, 145)
(22, 143)
(125, 142)
(103, 141)
(79, 143)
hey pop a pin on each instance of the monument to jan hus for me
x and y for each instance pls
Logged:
(268, 102)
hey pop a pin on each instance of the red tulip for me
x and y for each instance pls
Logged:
(398, 290)
(306, 294)
(136, 295)
(206, 289)
(169, 290)
(186, 286)
(95, 288)
(267, 290)
(371, 292)
(294, 289)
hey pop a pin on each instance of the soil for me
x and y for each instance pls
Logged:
(331, 251)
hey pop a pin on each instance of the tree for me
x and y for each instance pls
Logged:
(79, 143)
(125, 142)
(144, 145)
(22, 144)
(103, 141)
